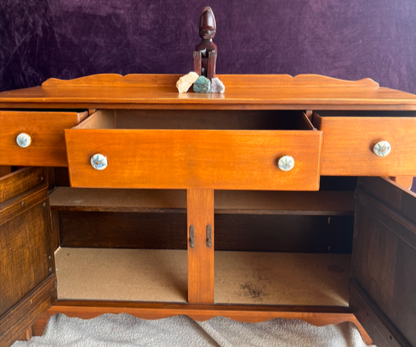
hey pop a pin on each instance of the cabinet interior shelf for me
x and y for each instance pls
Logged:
(240, 277)
(327, 203)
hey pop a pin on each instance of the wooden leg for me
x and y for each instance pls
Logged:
(39, 327)
(200, 210)
(26, 336)
(404, 181)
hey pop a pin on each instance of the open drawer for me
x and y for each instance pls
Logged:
(367, 143)
(195, 149)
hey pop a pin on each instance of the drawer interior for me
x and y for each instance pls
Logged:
(319, 116)
(365, 113)
(197, 120)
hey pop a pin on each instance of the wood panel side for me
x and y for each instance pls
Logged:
(21, 317)
(19, 182)
(384, 256)
(391, 194)
(200, 215)
(27, 257)
(373, 320)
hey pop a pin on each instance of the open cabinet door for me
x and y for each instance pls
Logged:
(383, 283)
(27, 269)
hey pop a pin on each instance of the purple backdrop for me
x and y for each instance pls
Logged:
(349, 39)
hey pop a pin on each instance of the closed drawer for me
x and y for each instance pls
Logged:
(46, 142)
(198, 149)
(349, 138)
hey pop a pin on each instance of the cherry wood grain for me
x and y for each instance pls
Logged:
(259, 81)
(200, 213)
(47, 132)
(348, 141)
(243, 92)
(318, 316)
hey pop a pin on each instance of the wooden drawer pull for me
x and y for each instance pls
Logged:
(23, 140)
(99, 161)
(382, 148)
(286, 163)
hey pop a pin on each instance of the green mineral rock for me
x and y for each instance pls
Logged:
(202, 85)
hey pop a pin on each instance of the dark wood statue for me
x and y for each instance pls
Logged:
(205, 56)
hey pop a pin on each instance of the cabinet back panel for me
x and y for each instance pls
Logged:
(269, 233)
(241, 120)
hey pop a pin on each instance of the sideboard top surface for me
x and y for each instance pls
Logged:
(242, 92)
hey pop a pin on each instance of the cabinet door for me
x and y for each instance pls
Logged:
(383, 283)
(27, 270)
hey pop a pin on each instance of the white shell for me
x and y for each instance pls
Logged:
(286, 163)
(23, 140)
(382, 148)
(99, 161)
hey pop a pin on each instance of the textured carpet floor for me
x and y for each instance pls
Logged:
(124, 330)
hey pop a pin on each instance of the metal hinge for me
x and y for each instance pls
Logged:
(192, 236)
(209, 236)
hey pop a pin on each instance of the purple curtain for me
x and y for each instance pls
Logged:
(70, 38)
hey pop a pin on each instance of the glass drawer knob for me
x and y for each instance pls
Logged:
(382, 148)
(23, 140)
(99, 161)
(286, 163)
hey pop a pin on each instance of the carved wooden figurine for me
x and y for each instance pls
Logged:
(205, 56)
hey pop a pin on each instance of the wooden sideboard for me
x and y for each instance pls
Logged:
(117, 192)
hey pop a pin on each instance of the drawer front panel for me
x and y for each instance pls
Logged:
(46, 131)
(180, 159)
(347, 146)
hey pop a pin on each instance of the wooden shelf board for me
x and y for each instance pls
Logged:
(301, 279)
(226, 202)
(240, 277)
(121, 274)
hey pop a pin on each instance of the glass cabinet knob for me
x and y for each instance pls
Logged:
(23, 140)
(99, 161)
(382, 148)
(286, 163)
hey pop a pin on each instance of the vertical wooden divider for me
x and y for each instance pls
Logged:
(200, 212)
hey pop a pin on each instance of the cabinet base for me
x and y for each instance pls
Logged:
(315, 315)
